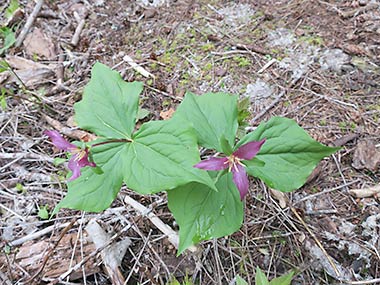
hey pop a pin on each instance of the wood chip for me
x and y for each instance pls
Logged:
(31, 254)
(366, 156)
(280, 197)
(166, 115)
(137, 67)
(112, 255)
(37, 43)
(366, 192)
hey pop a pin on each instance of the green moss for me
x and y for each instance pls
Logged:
(208, 66)
(312, 40)
(207, 77)
(242, 61)
(166, 102)
(208, 47)
(258, 14)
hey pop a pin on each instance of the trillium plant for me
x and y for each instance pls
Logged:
(205, 195)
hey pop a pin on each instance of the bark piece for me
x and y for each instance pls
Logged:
(31, 254)
(366, 156)
(38, 43)
(112, 255)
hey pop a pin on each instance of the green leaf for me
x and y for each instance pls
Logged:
(226, 147)
(58, 160)
(160, 157)
(261, 279)
(282, 280)
(243, 112)
(4, 66)
(202, 213)
(289, 154)
(142, 114)
(3, 103)
(9, 38)
(213, 115)
(109, 105)
(240, 281)
(94, 192)
(12, 8)
(43, 212)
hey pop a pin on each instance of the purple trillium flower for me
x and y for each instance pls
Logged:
(234, 164)
(79, 157)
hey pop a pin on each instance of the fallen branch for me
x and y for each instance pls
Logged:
(26, 155)
(78, 30)
(75, 134)
(37, 235)
(137, 67)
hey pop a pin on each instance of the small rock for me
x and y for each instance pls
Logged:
(150, 13)
(281, 37)
(366, 156)
(220, 72)
(333, 59)
(236, 14)
(152, 3)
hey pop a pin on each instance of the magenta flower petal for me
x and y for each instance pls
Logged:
(76, 163)
(240, 179)
(249, 150)
(84, 160)
(58, 141)
(213, 163)
(74, 167)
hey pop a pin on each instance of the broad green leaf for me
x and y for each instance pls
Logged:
(94, 192)
(261, 279)
(212, 115)
(240, 281)
(289, 154)
(226, 147)
(109, 105)
(160, 157)
(9, 38)
(203, 213)
(282, 280)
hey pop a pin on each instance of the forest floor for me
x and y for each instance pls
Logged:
(317, 62)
